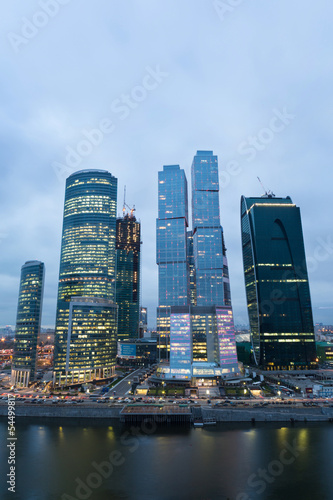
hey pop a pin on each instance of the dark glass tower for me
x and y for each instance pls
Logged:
(28, 322)
(128, 244)
(276, 282)
(86, 328)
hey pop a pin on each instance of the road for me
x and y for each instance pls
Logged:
(125, 385)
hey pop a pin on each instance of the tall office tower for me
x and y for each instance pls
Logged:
(29, 315)
(171, 242)
(207, 230)
(276, 282)
(128, 244)
(202, 336)
(86, 322)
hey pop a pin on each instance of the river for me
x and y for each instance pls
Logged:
(107, 461)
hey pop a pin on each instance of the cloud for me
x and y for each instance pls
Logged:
(225, 78)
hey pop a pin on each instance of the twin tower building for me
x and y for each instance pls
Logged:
(194, 314)
(99, 282)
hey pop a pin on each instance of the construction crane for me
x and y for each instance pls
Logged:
(269, 194)
(131, 210)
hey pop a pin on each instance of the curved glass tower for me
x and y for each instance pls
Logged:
(86, 323)
(276, 282)
(29, 315)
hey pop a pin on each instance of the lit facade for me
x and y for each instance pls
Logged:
(202, 343)
(28, 322)
(143, 321)
(191, 270)
(276, 282)
(193, 273)
(128, 244)
(87, 270)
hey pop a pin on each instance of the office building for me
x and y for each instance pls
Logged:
(28, 323)
(202, 343)
(171, 246)
(276, 282)
(198, 305)
(86, 291)
(128, 244)
(207, 230)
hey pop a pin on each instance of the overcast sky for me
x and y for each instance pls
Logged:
(160, 80)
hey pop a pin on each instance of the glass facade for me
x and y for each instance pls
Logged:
(128, 244)
(181, 342)
(207, 230)
(193, 267)
(226, 339)
(203, 339)
(28, 322)
(226, 280)
(92, 339)
(171, 245)
(88, 253)
(276, 282)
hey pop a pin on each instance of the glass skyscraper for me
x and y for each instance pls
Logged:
(193, 274)
(128, 242)
(28, 322)
(171, 245)
(207, 230)
(87, 272)
(276, 282)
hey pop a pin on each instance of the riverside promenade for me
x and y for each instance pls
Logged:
(204, 412)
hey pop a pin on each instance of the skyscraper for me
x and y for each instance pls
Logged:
(86, 322)
(207, 230)
(171, 244)
(276, 282)
(202, 337)
(28, 322)
(128, 242)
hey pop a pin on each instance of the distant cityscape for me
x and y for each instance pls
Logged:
(100, 318)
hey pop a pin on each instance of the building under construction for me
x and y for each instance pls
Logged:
(128, 242)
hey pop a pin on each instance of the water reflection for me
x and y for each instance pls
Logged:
(175, 463)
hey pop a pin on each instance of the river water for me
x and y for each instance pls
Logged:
(107, 461)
